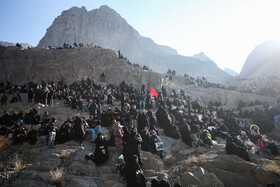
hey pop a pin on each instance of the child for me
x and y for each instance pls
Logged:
(120, 167)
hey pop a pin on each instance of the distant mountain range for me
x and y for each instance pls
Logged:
(263, 61)
(231, 72)
(6, 44)
(106, 28)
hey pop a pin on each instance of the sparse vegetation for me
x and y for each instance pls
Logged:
(191, 160)
(18, 163)
(274, 168)
(65, 154)
(56, 176)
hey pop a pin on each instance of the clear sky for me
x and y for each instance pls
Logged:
(225, 30)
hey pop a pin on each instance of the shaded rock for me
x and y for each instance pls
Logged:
(190, 179)
(200, 172)
(75, 181)
(233, 179)
(240, 167)
(210, 179)
(262, 176)
(216, 164)
(151, 161)
(79, 169)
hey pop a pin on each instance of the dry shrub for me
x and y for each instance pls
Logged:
(65, 154)
(18, 164)
(56, 176)
(191, 160)
(272, 167)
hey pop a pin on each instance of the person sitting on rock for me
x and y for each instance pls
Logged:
(249, 144)
(223, 129)
(204, 137)
(267, 146)
(101, 153)
(19, 136)
(62, 135)
(31, 137)
(134, 174)
(255, 133)
(4, 99)
(94, 126)
(3, 130)
(155, 144)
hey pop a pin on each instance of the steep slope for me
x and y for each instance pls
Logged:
(263, 61)
(36, 64)
(106, 28)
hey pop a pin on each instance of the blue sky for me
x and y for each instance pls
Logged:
(225, 30)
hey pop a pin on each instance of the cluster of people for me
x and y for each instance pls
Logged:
(133, 127)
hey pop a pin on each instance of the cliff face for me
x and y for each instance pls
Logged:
(106, 28)
(36, 64)
(263, 61)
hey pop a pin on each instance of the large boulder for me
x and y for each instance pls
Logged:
(151, 161)
(209, 180)
(190, 179)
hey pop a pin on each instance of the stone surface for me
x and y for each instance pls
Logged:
(151, 161)
(106, 28)
(190, 179)
(209, 180)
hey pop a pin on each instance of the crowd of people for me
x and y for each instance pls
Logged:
(132, 127)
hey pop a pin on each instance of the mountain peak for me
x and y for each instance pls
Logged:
(201, 56)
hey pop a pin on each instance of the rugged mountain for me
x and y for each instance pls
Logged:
(105, 27)
(231, 72)
(24, 45)
(263, 61)
(36, 64)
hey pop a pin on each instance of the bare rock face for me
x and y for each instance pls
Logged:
(263, 61)
(36, 64)
(105, 27)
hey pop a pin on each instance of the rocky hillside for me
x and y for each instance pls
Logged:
(36, 64)
(24, 45)
(105, 27)
(65, 165)
(263, 61)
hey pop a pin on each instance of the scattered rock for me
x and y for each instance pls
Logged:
(190, 179)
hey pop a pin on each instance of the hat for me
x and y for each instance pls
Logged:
(243, 133)
(121, 157)
(254, 125)
(153, 131)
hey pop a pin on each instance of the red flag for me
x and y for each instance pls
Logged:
(153, 92)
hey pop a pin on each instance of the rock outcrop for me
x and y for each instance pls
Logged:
(105, 27)
(36, 64)
(263, 61)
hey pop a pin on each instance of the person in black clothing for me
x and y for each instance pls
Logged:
(4, 99)
(31, 137)
(62, 135)
(145, 135)
(3, 130)
(154, 144)
(19, 136)
(30, 95)
(101, 153)
(134, 145)
(79, 129)
(134, 174)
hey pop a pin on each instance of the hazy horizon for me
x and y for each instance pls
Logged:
(226, 31)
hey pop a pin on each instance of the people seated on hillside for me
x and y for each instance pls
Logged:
(267, 146)
(101, 153)
(31, 137)
(3, 130)
(255, 133)
(155, 144)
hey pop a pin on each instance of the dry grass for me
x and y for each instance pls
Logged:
(56, 176)
(273, 167)
(65, 154)
(18, 164)
(191, 160)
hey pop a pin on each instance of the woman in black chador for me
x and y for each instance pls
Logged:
(134, 174)
(134, 145)
(101, 153)
(79, 130)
